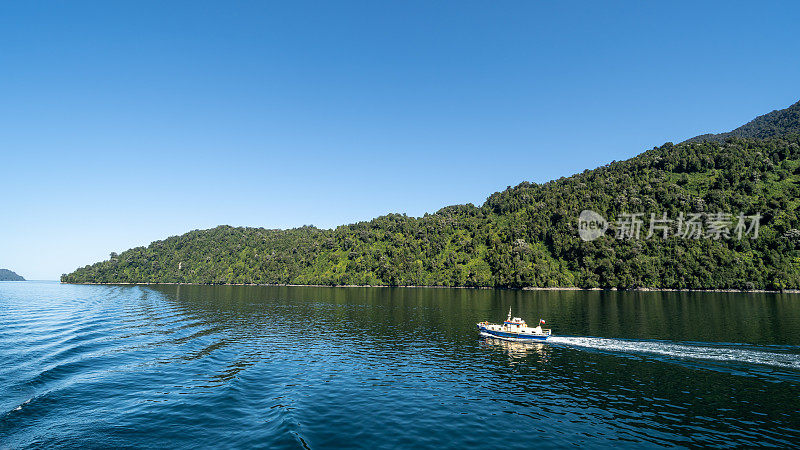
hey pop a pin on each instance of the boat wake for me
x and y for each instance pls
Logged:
(784, 357)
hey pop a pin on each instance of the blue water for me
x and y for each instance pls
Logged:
(294, 367)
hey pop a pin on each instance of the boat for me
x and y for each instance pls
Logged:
(514, 329)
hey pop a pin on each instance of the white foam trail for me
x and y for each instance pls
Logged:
(684, 351)
(23, 404)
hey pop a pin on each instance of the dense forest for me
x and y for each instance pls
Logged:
(527, 235)
(777, 123)
(7, 275)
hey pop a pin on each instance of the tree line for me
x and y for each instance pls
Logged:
(524, 236)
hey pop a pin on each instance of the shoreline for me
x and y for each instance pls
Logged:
(527, 288)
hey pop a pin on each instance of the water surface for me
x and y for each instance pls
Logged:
(239, 366)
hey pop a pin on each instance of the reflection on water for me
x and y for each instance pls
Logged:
(517, 350)
(194, 366)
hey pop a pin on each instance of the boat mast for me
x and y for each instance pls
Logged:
(509, 313)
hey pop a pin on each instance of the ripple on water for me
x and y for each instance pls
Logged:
(187, 366)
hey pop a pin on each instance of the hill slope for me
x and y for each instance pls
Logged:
(528, 235)
(777, 123)
(7, 275)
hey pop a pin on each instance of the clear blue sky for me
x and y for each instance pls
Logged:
(126, 122)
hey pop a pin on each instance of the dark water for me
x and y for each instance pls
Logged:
(103, 366)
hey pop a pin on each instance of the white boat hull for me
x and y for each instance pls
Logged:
(513, 335)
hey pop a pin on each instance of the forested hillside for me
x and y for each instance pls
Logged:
(8, 275)
(777, 123)
(528, 235)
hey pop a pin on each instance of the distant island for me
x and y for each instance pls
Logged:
(7, 275)
(529, 235)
